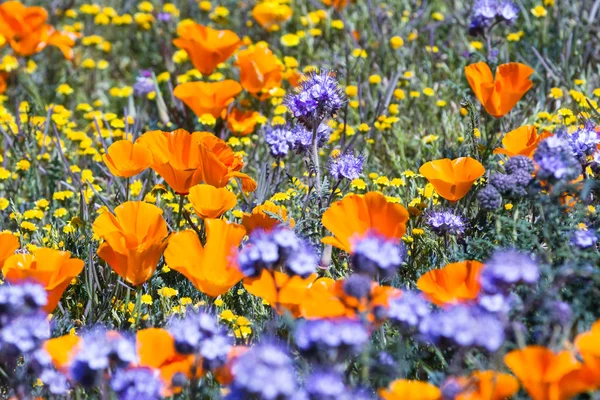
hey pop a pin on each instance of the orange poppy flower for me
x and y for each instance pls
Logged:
(281, 291)
(17, 20)
(544, 374)
(521, 142)
(205, 46)
(242, 123)
(3, 76)
(213, 268)
(8, 245)
(271, 13)
(498, 96)
(156, 349)
(126, 159)
(260, 69)
(260, 219)
(211, 202)
(338, 4)
(53, 269)
(208, 98)
(404, 389)
(62, 350)
(223, 374)
(452, 179)
(46, 35)
(134, 240)
(487, 385)
(455, 283)
(357, 215)
(587, 345)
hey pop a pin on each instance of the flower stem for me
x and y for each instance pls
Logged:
(316, 163)
(180, 210)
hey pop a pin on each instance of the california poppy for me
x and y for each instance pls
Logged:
(46, 35)
(134, 240)
(156, 349)
(211, 202)
(3, 76)
(242, 123)
(281, 291)
(260, 218)
(338, 4)
(8, 245)
(271, 13)
(487, 385)
(498, 96)
(62, 349)
(126, 159)
(452, 179)
(521, 142)
(357, 215)
(404, 389)
(208, 98)
(260, 69)
(212, 268)
(205, 46)
(456, 282)
(544, 374)
(53, 269)
(587, 345)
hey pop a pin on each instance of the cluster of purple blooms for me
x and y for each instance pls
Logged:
(584, 238)
(408, 310)
(327, 384)
(347, 166)
(556, 160)
(279, 247)
(487, 12)
(282, 138)
(445, 221)
(136, 383)
(144, 83)
(331, 339)
(377, 256)
(584, 141)
(511, 185)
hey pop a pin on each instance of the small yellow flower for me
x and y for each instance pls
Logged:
(337, 24)
(358, 184)
(399, 94)
(28, 226)
(167, 292)
(147, 299)
(539, 11)
(438, 16)
(428, 92)
(396, 42)
(351, 91)
(556, 93)
(477, 45)
(227, 315)
(218, 302)
(290, 40)
(64, 89)
(374, 79)
(23, 165)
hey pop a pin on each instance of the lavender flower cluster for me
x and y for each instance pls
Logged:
(486, 12)
(282, 138)
(377, 256)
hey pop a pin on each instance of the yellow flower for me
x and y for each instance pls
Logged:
(438, 16)
(227, 315)
(359, 53)
(556, 93)
(218, 302)
(28, 226)
(167, 292)
(477, 45)
(290, 40)
(351, 91)
(428, 92)
(205, 6)
(396, 42)
(147, 299)
(508, 206)
(363, 127)
(337, 24)
(23, 165)
(399, 94)
(358, 184)
(64, 89)
(4, 203)
(539, 11)
(374, 79)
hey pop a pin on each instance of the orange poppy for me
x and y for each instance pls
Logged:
(134, 240)
(338, 4)
(242, 123)
(53, 269)
(357, 215)
(213, 268)
(281, 291)
(271, 13)
(8, 245)
(260, 219)
(260, 69)
(521, 142)
(223, 374)
(211, 202)
(452, 179)
(126, 159)
(404, 389)
(62, 349)
(455, 283)
(205, 46)
(46, 35)
(487, 385)
(156, 349)
(587, 345)
(3, 85)
(498, 96)
(545, 375)
(208, 98)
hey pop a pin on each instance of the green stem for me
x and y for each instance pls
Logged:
(180, 210)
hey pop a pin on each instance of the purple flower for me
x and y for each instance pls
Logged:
(143, 85)
(302, 137)
(19, 299)
(555, 160)
(489, 198)
(506, 269)
(445, 221)
(136, 383)
(279, 247)
(346, 166)
(326, 385)
(266, 371)
(376, 255)
(485, 9)
(583, 238)
(517, 164)
(164, 16)
(333, 338)
(485, 12)
(56, 382)
(357, 286)
(584, 141)
(24, 334)
(279, 138)
(507, 11)
(409, 309)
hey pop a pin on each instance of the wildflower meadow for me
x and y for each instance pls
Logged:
(300, 199)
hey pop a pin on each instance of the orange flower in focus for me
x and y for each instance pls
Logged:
(452, 179)
(8, 245)
(271, 13)
(521, 142)
(404, 389)
(282, 292)
(211, 202)
(498, 96)
(53, 269)
(260, 69)
(357, 215)
(213, 268)
(260, 219)
(487, 385)
(156, 349)
(62, 350)
(205, 46)
(208, 98)
(134, 240)
(587, 345)
(126, 159)
(544, 374)
(242, 123)
(455, 283)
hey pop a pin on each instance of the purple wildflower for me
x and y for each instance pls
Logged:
(357, 286)
(279, 138)
(555, 160)
(20, 299)
(409, 309)
(445, 221)
(376, 255)
(326, 385)
(24, 334)
(144, 84)
(56, 382)
(346, 166)
(136, 383)
(584, 238)
(584, 141)
(332, 338)
(485, 12)
(506, 269)
(302, 137)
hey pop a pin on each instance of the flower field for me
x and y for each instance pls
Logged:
(300, 199)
